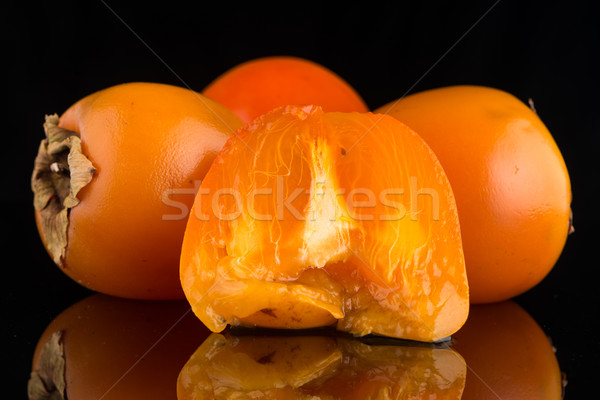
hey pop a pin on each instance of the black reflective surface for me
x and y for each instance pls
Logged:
(55, 53)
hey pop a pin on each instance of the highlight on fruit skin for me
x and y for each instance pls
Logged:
(293, 367)
(257, 86)
(104, 347)
(508, 354)
(114, 179)
(509, 178)
(309, 219)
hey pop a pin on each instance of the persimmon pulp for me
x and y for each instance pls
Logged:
(308, 219)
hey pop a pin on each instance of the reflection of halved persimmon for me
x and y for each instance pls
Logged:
(324, 367)
(308, 218)
(508, 355)
(257, 86)
(110, 181)
(109, 348)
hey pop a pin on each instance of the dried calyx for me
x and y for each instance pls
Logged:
(48, 381)
(59, 173)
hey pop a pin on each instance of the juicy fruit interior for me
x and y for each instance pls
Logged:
(292, 242)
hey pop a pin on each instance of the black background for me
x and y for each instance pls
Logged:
(54, 53)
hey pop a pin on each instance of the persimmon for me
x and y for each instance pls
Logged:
(114, 179)
(509, 178)
(311, 218)
(254, 87)
(323, 367)
(104, 347)
(508, 354)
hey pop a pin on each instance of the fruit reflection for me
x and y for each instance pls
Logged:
(508, 355)
(115, 349)
(319, 367)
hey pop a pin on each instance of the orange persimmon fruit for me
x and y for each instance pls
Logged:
(113, 181)
(105, 347)
(508, 354)
(509, 178)
(308, 218)
(319, 367)
(254, 87)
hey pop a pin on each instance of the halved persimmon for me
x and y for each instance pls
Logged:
(308, 218)
(260, 85)
(319, 367)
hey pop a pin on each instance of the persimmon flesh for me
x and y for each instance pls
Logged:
(308, 219)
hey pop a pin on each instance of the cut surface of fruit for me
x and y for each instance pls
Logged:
(309, 219)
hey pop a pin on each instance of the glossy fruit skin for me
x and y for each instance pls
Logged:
(509, 178)
(257, 86)
(508, 354)
(104, 337)
(298, 255)
(147, 141)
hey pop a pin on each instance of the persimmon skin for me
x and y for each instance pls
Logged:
(509, 178)
(508, 354)
(298, 255)
(104, 337)
(260, 85)
(147, 141)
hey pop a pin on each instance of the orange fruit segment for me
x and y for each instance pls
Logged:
(308, 218)
(324, 367)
